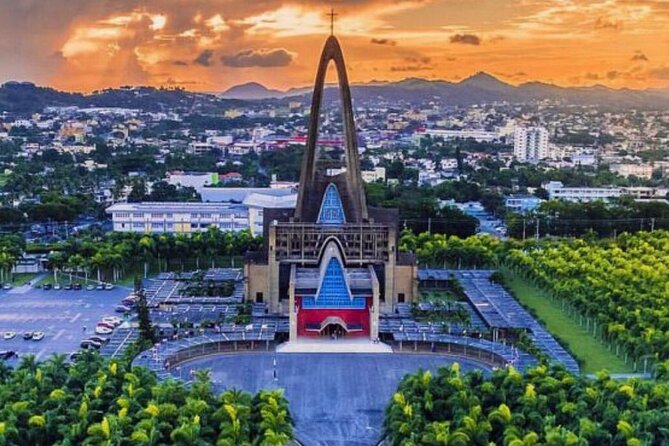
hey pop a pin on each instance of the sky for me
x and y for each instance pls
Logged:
(211, 45)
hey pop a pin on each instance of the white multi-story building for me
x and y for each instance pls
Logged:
(476, 134)
(449, 163)
(374, 175)
(242, 209)
(637, 170)
(177, 217)
(530, 143)
(557, 191)
(198, 148)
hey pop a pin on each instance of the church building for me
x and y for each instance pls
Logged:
(332, 264)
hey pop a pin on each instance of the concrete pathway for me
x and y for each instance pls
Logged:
(324, 345)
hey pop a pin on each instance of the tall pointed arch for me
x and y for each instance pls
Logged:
(312, 183)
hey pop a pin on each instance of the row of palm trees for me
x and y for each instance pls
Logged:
(11, 250)
(114, 255)
(544, 406)
(98, 402)
(620, 286)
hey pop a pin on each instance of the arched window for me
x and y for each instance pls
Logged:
(332, 209)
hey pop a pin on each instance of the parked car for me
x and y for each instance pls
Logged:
(28, 335)
(122, 309)
(100, 287)
(106, 325)
(103, 330)
(88, 344)
(7, 354)
(77, 286)
(99, 339)
(47, 286)
(9, 335)
(109, 287)
(90, 287)
(114, 320)
(38, 336)
(69, 286)
(57, 287)
(7, 286)
(129, 301)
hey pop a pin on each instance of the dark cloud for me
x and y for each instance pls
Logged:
(408, 68)
(204, 58)
(612, 75)
(423, 60)
(592, 76)
(277, 57)
(640, 57)
(384, 42)
(608, 23)
(466, 39)
(179, 63)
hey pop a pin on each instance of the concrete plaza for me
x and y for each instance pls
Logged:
(335, 399)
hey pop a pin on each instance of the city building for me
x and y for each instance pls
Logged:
(179, 217)
(530, 143)
(196, 180)
(476, 134)
(239, 194)
(557, 191)
(637, 170)
(199, 148)
(332, 264)
(372, 176)
(231, 209)
(522, 204)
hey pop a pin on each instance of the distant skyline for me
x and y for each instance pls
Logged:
(211, 45)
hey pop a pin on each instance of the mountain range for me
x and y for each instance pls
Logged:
(26, 98)
(479, 88)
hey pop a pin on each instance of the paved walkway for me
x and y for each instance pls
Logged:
(325, 345)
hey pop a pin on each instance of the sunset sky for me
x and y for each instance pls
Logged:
(210, 45)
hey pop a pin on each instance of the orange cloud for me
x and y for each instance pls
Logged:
(211, 45)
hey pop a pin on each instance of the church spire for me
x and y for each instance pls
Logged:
(332, 16)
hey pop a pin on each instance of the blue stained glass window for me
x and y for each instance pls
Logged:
(332, 209)
(334, 292)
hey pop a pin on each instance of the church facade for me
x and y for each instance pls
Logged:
(332, 264)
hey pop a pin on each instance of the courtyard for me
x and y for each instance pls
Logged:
(335, 399)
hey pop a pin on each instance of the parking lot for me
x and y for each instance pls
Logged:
(60, 314)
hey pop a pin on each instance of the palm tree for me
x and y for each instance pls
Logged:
(147, 244)
(57, 260)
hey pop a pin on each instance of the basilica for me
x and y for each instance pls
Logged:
(332, 263)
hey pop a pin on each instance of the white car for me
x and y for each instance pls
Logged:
(115, 321)
(103, 330)
(38, 336)
(57, 286)
(9, 335)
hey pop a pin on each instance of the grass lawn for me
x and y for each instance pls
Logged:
(436, 296)
(594, 355)
(22, 278)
